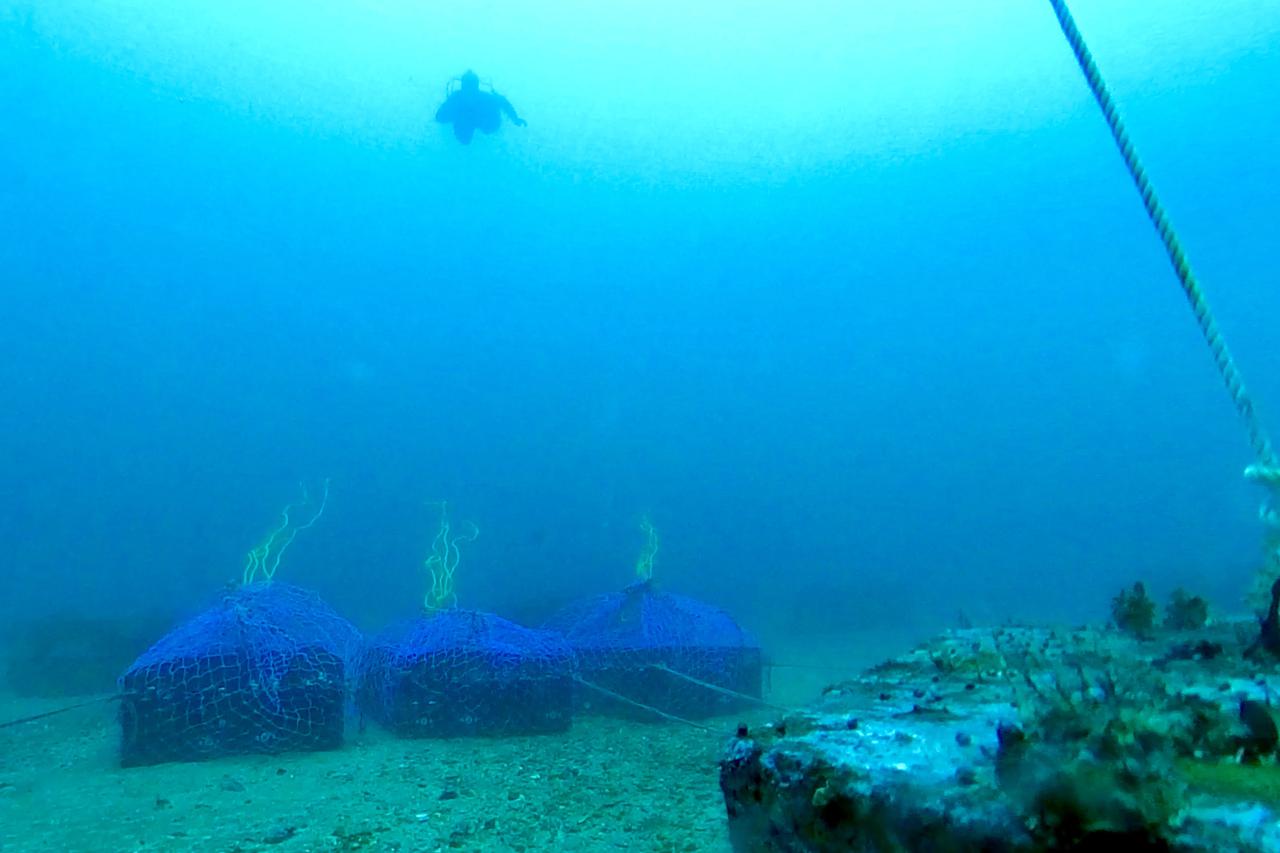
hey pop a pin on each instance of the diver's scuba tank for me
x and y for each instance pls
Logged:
(485, 84)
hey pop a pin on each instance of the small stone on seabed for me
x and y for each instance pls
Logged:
(279, 834)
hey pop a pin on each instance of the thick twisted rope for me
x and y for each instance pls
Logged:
(1268, 476)
(1155, 211)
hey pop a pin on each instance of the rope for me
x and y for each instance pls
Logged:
(755, 700)
(620, 698)
(1155, 211)
(1269, 478)
(101, 700)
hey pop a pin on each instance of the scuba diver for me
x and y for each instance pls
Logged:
(469, 108)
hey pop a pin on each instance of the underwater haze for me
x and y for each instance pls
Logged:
(855, 301)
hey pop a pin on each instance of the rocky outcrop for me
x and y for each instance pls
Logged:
(1021, 739)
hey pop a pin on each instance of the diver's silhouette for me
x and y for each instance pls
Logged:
(469, 108)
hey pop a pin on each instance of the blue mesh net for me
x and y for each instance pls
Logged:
(638, 642)
(265, 670)
(462, 672)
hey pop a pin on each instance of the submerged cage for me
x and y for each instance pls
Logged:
(264, 671)
(663, 651)
(463, 672)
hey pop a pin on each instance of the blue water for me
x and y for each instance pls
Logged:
(858, 306)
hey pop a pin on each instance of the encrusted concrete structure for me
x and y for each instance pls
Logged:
(1018, 739)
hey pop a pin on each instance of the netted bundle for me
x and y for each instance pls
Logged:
(462, 672)
(265, 670)
(653, 648)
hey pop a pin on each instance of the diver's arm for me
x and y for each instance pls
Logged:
(509, 110)
(445, 113)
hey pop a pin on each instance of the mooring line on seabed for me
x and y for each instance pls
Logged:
(99, 700)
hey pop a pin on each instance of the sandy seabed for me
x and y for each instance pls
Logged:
(606, 784)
